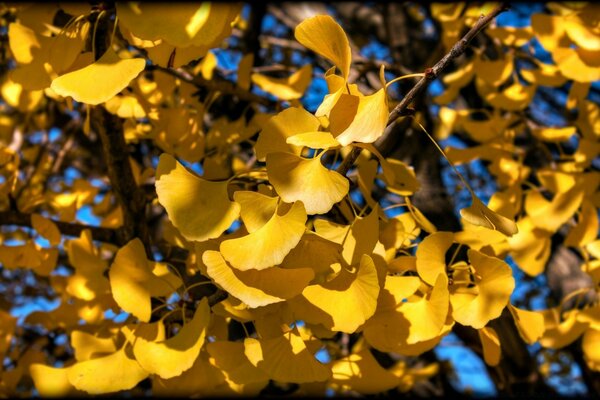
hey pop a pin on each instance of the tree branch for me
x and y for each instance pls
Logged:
(430, 75)
(107, 235)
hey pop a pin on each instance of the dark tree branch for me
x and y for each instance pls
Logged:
(66, 228)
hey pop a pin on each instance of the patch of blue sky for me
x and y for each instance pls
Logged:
(470, 371)
(323, 356)
(71, 174)
(117, 317)
(375, 50)
(39, 303)
(36, 137)
(525, 285)
(87, 216)
(315, 93)
(196, 167)
(519, 14)
(565, 375)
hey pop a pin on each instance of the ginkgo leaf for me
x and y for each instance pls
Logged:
(326, 37)
(49, 381)
(316, 252)
(256, 209)
(530, 324)
(23, 42)
(586, 229)
(171, 357)
(356, 291)
(560, 332)
(285, 359)
(491, 345)
(200, 380)
(356, 239)
(198, 24)
(112, 373)
(551, 215)
(431, 256)
(400, 178)
(289, 88)
(296, 178)
(591, 350)
(230, 358)
(200, 209)
(530, 247)
(362, 373)
(85, 87)
(314, 140)
(427, 315)
(87, 345)
(133, 280)
(364, 125)
(256, 288)
(268, 245)
(289, 122)
(479, 214)
(494, 284)
(46, 228)
(554, 134)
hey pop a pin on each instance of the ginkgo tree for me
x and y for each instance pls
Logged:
(205, 230)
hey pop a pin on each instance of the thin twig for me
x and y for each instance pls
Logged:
(430, 75)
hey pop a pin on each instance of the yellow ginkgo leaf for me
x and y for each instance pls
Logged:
(551, 215)
(591, 350)
(494, 72)
(586, 229)
(314, 140)
(479, 214)
(316, 252)
(278, 128)
(200, 209)
(229, 357)
(289, 88)
(356, 239)
(431, 256)
(49, 381)
(171, 357)
(560, 332)
(554, 134)
(491, 346)
(359, 119)
(530, 324)
(198, 24)
(133, 280)
(400, 178)
(296, 178)
(200, 380)
(256, 209)
(86, 345)
(325, 37)
(46, 228)
(125, 107)
(85, 86)
(285, 359)
(362, 373)
(428, 314)
(112, 373)
(244, 71)
(23, 42)
(256, 288)
(357, 291)
(268, 245)
(579, 64)
(530, 247)
(494, 284)
(289, 122)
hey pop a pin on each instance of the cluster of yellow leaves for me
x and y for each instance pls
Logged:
(564, 196)
(262, 234)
